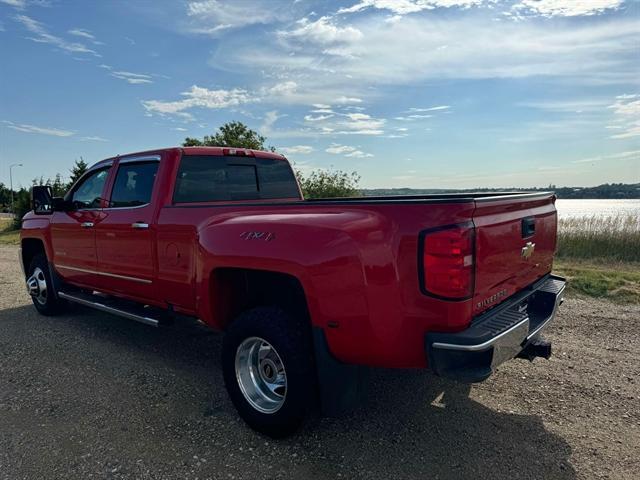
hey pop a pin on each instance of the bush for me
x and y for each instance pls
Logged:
(328, 184)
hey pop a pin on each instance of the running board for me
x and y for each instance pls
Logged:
(132, 311)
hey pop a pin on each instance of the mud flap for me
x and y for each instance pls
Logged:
(342, 386)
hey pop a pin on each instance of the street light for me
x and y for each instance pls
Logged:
(11, 184)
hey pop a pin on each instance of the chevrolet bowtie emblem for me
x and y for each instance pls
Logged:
(527, 250)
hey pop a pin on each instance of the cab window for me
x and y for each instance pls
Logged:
(88, 192)
(134, 184)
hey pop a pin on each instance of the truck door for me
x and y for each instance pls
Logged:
(125, 238)
(73, 232)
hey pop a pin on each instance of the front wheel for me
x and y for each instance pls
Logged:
(40, 287)
(268, 370)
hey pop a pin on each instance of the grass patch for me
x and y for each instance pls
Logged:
(10, 238)
(7, 235)
(613, 238)
(600, 256)
(5, 223)
(618, 282)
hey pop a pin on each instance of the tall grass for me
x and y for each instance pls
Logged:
(609, 238)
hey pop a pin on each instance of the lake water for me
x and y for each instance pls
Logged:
(570, 208)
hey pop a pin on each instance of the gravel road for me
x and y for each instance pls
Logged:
(87, 395)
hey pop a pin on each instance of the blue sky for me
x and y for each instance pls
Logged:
(415, 93)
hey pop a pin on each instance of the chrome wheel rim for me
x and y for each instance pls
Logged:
(261, 375)
(37, 286)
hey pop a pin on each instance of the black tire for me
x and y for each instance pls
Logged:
(292, 342)
(49, 304)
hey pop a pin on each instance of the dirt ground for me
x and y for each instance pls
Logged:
(87, 395)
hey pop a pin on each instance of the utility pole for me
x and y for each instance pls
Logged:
(13, 212)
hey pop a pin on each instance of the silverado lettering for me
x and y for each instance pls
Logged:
(493, 298)
(431, 281)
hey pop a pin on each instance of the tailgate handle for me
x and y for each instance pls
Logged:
(528, 226)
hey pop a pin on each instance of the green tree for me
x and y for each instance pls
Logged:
(5, 197)
(78, 169)
(22, 204)
(58, 186)
(327, 184)
(231, 134)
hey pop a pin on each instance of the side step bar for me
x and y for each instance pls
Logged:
(134, 313)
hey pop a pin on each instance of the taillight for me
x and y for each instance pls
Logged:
(447, 261)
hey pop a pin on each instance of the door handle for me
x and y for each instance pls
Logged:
(140, 225)
(86, 224)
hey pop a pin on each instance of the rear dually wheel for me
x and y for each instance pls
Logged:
(267, 362)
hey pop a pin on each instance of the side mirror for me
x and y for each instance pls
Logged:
(42, 200)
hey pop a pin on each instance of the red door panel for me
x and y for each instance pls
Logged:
(73, 232)
(124, 241)
(74, 246)
(125, 237)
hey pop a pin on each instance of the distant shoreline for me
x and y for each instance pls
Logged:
(613, 191)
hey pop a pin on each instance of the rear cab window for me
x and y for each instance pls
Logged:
(214, 178)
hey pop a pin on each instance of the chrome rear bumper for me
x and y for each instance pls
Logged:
(497, 335)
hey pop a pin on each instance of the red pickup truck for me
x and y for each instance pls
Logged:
(308, 292)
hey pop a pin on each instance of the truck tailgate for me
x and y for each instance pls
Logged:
(515, 244)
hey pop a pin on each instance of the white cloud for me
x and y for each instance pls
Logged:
(270, 119)
(627, 116)
(397, 135)
(211, 17)
(321, 31)
(415, 116)
(626, 105)
(343, 100)
(546, 8)
(322, 110)
(180, 129)
(568, 106)
(599, 53)
(404, 7)
(319, 118)
(81, 32)
(283, 89)
(286, 92)
(296, 150)
(199, 97)
(19, 4)
(84, 33)
(632, 154)
(93, 138)
(430, 109)
(133, 78)
(56, 132)
(347, 151)
(43, 36)
(566, 8)
(346, 124)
